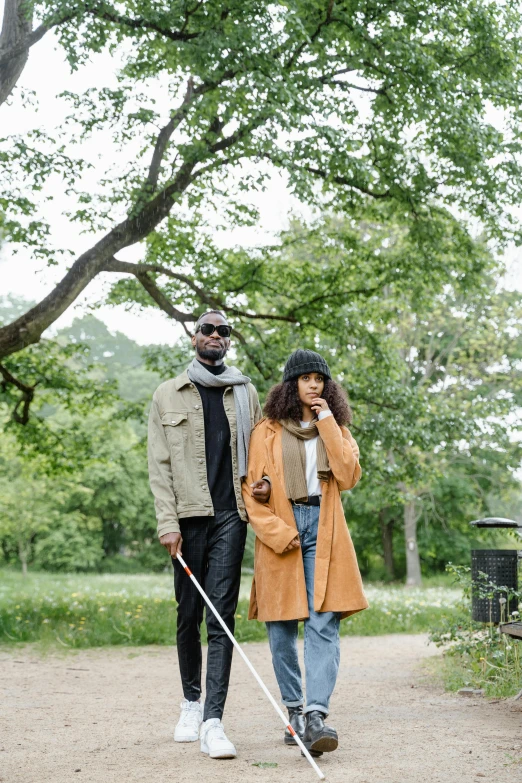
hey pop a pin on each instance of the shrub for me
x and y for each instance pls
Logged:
(74, 546)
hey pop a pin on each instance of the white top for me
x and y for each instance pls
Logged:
(312, 482)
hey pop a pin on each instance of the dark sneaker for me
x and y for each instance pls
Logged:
(319, 738)
(297, 722)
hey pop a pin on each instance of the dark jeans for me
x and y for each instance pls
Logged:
(213, 550)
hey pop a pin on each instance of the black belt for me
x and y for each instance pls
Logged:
(313, 500)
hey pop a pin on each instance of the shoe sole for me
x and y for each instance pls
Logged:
(325, 744)
(218, 755)
(186, 740)
(322, 745)
(222, 756)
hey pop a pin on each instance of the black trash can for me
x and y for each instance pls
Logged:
(499, 567)
(494, 567)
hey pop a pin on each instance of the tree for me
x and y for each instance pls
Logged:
(25, 510)
(450, 437)
(74, 487)
(277, 86)
(431, 362)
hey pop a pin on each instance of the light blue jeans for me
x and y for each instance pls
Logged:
(321, 635)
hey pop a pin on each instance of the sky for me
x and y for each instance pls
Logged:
(21, 275)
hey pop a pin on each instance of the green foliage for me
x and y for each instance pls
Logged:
(72, 546)
(74, 489)
(477, 654)
(67, 390)
(281, 85)
(377, 115)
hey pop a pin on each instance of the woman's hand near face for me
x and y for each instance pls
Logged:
(318, 405)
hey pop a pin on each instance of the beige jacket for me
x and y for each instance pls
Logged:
(279, 589)
(176, 448)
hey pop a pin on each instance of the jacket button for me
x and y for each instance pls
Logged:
(173, 422)
(200, 461)
(196, 407)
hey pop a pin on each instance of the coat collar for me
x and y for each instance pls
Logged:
(273, 425)
(182, 380)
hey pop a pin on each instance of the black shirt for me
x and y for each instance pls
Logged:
(218, 453)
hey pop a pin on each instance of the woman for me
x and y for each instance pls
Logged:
(305, 563)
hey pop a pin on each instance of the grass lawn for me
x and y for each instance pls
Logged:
(90, 610)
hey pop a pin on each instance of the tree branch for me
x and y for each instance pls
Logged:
(141, 272)
(255, 361)
(350, 86)
(17, 36)
(26, 398)
(141, 24)
(28, 328)
(312, 38)
(23, 46)
(164, 138)
(165, 304)
(340, 295)
(113, 265)
(337, 180)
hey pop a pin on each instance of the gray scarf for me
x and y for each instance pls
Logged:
(231, 377)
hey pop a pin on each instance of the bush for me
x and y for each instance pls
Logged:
(477, 654)
(74, 546)
(153, 558)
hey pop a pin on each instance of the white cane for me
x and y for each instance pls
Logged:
(256, 675)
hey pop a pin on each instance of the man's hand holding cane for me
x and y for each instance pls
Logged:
(172, 543)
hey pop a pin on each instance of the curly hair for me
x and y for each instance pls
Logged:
(283, 402)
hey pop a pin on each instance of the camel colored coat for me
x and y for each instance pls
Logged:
(278, 588)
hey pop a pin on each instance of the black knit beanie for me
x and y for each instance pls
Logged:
(303, 361)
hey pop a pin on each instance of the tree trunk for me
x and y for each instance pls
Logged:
(413, 569)
(22, 554)
(387, 543)
(17, 24)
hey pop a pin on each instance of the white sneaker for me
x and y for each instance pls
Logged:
(214, 740)
(189, 722)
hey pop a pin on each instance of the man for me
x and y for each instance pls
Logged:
(199, 432)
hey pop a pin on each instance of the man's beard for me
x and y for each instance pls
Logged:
(212, 354)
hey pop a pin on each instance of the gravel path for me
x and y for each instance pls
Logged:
(108, 715)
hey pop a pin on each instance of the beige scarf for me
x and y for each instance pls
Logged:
(294, 459)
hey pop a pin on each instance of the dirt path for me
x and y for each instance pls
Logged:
(107, 716)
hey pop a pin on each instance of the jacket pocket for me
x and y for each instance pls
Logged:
(175, 424)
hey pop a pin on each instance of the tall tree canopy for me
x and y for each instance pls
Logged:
(399, 120)
(376, 103)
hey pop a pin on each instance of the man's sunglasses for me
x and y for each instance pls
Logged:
(207, 329)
